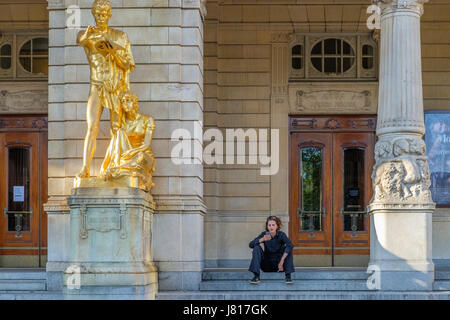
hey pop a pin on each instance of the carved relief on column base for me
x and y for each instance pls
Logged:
(401, 175)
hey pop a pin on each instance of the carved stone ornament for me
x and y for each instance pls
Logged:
(23, 101)
(282, 37)
(401, 174)
(333, 98)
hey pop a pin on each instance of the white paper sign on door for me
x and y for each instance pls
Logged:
(19, 193)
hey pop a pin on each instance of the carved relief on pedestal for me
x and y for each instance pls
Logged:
(401, 174)
(333, 98)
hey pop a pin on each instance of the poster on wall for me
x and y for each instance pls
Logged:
(437, 139)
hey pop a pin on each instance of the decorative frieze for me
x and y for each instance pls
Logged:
(333, 98)
(324, 123)
(17, 122)
(23, 101)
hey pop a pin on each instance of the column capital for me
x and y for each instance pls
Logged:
(388, 6)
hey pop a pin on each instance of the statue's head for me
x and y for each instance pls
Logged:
(101, 10)
(130, 103)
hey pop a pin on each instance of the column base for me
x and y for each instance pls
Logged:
(403, 278)
(400, 249)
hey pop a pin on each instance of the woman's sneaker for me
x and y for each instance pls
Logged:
(255, 280)
(288, 279)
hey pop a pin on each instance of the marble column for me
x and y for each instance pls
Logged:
(401, 207)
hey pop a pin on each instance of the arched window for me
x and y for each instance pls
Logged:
(5, 56)
(33, 56)
(367, 56)
(332, 56)
(297, 57)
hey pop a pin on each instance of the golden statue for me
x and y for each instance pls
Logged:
(129, 152)
(129, 161)
(110, 61)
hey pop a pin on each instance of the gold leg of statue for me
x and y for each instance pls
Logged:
(93, 114)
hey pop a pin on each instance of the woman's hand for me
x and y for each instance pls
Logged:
(266, 237)
(280, 265)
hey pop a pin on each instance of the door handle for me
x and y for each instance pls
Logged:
(6, 212)
(343, 213)
(302, 213)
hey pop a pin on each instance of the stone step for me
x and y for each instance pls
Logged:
(301, 295)
(26, 280)
(22, 274)
(280, 285)
(442, 274)
(299, 274)
(441, 285)
(31, 295)
(22, 285)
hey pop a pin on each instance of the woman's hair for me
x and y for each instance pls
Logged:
(277, 221)
(133, 97)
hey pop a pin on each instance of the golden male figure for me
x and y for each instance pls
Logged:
(110, 62)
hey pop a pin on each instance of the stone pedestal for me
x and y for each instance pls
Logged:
(110, 245)
(401, 207)
(58, 242)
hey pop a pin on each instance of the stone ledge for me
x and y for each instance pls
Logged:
(179, 204)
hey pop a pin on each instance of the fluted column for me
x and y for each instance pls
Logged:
(401, 206)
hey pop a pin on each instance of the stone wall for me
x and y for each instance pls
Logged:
(246, 87)
(237, 95)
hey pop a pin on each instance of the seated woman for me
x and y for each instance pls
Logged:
(277, 255)
(129, 152)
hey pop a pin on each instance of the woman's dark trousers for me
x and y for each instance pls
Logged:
(260, 261)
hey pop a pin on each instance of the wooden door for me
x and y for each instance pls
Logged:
(331, 161)
(23, 190)
(311, 215)
(353, 161)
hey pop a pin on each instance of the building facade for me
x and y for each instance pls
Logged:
(341, 89)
